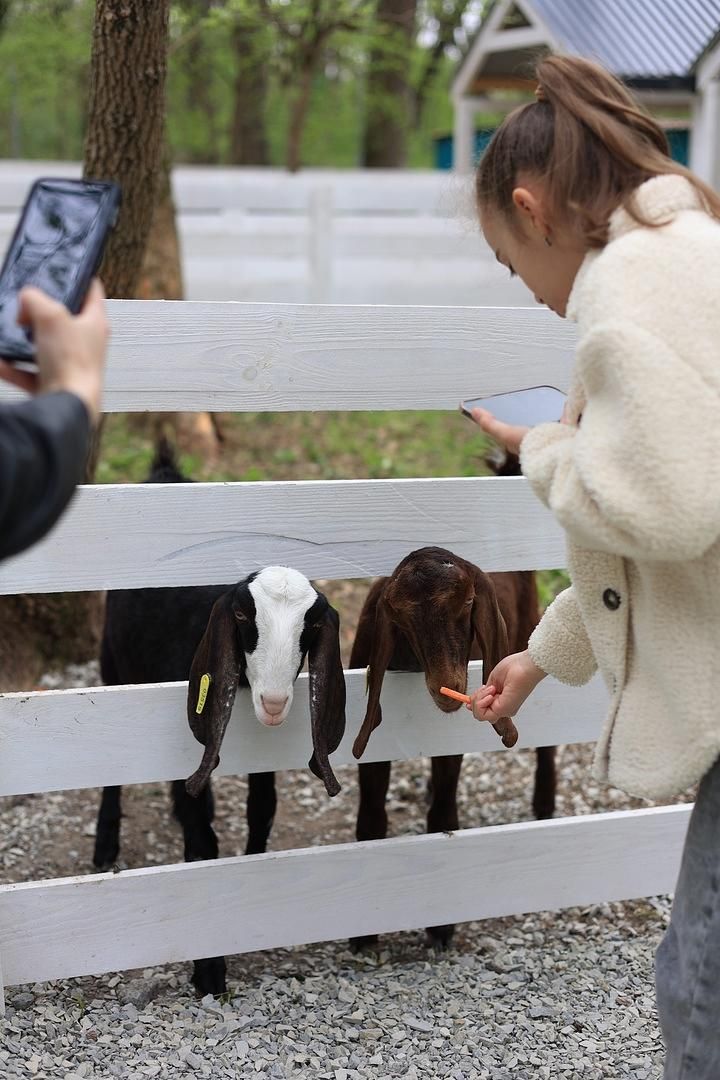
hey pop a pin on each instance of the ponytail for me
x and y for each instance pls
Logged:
(589, 140)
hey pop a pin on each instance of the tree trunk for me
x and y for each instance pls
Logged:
(124, 139)
(388, 89)
(161, 279)
(126, 123)
(298, 114)
(248, 139)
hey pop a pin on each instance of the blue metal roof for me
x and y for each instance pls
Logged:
(637, 39)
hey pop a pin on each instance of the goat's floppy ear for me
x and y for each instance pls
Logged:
(212, 687)
(327, 699)
(491, 635)
(488, 624)
(381, 650)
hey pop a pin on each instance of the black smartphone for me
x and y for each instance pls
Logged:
(523, 408)
(58, 246)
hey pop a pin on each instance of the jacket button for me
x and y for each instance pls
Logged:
(611, 599)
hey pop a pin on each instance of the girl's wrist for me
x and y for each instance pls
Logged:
(534, 672)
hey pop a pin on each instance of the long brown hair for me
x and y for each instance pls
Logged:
(592, 143)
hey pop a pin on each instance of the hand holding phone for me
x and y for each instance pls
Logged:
(507, 418)
(69, 349)
(57, 247)
(521, 408)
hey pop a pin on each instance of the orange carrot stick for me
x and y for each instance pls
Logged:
(455, 695)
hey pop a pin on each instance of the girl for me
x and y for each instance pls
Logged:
(577, 194)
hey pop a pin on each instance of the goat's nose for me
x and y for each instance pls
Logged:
(273, 704)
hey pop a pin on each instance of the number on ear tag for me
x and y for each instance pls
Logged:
(202, 696)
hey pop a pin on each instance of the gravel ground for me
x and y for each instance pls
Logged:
(548, 995)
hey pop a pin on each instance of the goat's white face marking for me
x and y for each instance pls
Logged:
(282, 598)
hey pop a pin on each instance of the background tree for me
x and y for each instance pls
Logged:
(388, 90)
(126, 115)
(252, 45)
(303, 30)
(123, 143)
(443, 20)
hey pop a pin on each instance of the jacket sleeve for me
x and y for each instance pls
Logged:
(560, 645)
(640, 476)
(43, 449)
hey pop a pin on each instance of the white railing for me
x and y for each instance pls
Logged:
(249, 357)
(321, 236)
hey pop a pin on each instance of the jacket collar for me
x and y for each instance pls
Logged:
(658, 200)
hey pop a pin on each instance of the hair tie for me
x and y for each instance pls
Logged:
(540, 93)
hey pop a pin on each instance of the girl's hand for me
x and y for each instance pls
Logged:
(510, 683)
(507, 435)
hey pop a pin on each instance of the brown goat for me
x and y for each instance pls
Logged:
(434, 614)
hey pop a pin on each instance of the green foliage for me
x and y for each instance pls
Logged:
(550, 583)
(45, 55)
(44, 58)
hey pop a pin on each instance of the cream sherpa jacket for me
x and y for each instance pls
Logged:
(635, 483)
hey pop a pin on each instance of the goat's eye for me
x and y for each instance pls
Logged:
(318, 625)
(240, 617)
(470, 601)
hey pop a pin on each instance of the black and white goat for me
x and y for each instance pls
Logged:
(256, 633)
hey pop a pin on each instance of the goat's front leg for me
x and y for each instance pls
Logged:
(372, 821)
(107, 830)
(261, 806)
(545, 783)
(195, 816)
(443, 817)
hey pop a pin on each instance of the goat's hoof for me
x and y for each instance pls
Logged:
(362, 944)
(543, 811)
(439, 937)
(105, 855)
(209, 976)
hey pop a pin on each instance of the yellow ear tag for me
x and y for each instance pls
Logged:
(204, 687)
(367, 680)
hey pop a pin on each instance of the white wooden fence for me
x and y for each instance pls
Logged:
(322, 236)
(237, 357)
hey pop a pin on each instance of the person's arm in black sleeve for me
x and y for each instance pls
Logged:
(44, 442)
(43, 449)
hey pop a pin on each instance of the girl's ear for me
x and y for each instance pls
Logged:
(531, 210)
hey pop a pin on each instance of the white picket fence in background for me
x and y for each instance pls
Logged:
(320, 236)
(248, 357)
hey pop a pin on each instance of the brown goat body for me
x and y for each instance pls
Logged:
(434, 614)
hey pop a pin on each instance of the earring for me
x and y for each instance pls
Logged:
(548, 241)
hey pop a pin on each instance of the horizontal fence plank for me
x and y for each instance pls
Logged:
(106, 922)
(140, 535)
(180, 355)
(132, 735)
(214, 189)
(385, 280)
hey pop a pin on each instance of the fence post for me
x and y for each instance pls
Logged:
(320, 244)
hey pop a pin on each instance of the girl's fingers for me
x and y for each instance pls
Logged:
(508, 435)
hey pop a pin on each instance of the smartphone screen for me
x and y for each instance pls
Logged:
(523, 408)
(57, 247)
